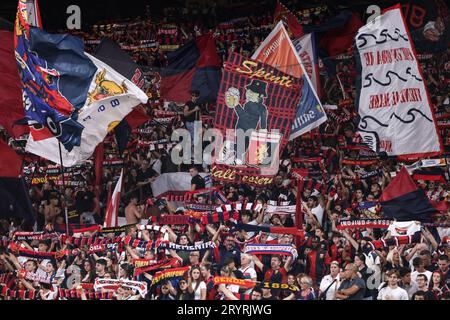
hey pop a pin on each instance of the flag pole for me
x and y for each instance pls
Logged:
(298, 210)
(63, 187)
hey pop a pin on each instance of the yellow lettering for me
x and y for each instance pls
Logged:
(246, 64)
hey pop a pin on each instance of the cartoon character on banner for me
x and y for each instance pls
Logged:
(251, 118)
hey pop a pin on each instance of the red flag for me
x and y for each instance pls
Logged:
(10, 163)
(111, 216)
(11, 108)
(137, 117)
(338, 40)
(400, 185)
(294, 26)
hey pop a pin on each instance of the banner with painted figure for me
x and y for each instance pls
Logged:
(255, 109)
(278, 51)
(393, 103)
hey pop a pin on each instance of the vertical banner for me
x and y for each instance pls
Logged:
(393, 102)
(306, 50)
(278, 51)
(255, 109)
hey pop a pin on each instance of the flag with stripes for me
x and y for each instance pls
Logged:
(113, 205)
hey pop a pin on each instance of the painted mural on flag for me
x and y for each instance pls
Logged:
(69, 96)
(393, 102)
(278, 51)
(110, 98)
(255, 108)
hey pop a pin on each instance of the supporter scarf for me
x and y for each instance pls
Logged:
(168, 263)
(200, 207)
(162, 113)
(168, 274)
(195, 215)
(112, 162)
(153, 145)
(114, 284)
(89, 241)
(88, 229)
(363, 223)
(282, 286)
(428, 177)
(436, 224)
(117, 229)
(179, 247)
(140, 263)
(359, 162)
(234, 281)
(307, 160)
(394, 241)
(276, 230)
(172, 219)
(219, 217)
(33, 276)
(90, 295)
(17, 294)
(273, 209)
(364, 176)
(239, 206)
(7, 278)
(16, 249)
(136, 243)
(338, 118)
(186, 196)
(101, 247)
(161, 230)
(281, 249)
(311, 184)
(28, 236)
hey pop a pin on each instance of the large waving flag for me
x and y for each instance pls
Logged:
(111, 53)
(278, 51)
(306, 49)
(11, 109)
(14, 196)
(283, 14)
(111, 215)
(393, 101)
(402, 200)
(194, 66)
(73, 97)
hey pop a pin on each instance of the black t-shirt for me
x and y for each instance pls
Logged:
(193, 116)
(84, 201)
(143, 176)
(198, 181)
(269, 298)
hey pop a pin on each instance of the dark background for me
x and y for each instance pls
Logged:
(54, 14)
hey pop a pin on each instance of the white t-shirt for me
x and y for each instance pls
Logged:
(318, 212)
(197, 293)
(248, 272)
(414, 275)
(387, 293)
(326, 282)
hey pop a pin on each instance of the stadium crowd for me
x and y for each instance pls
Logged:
(342, 182)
